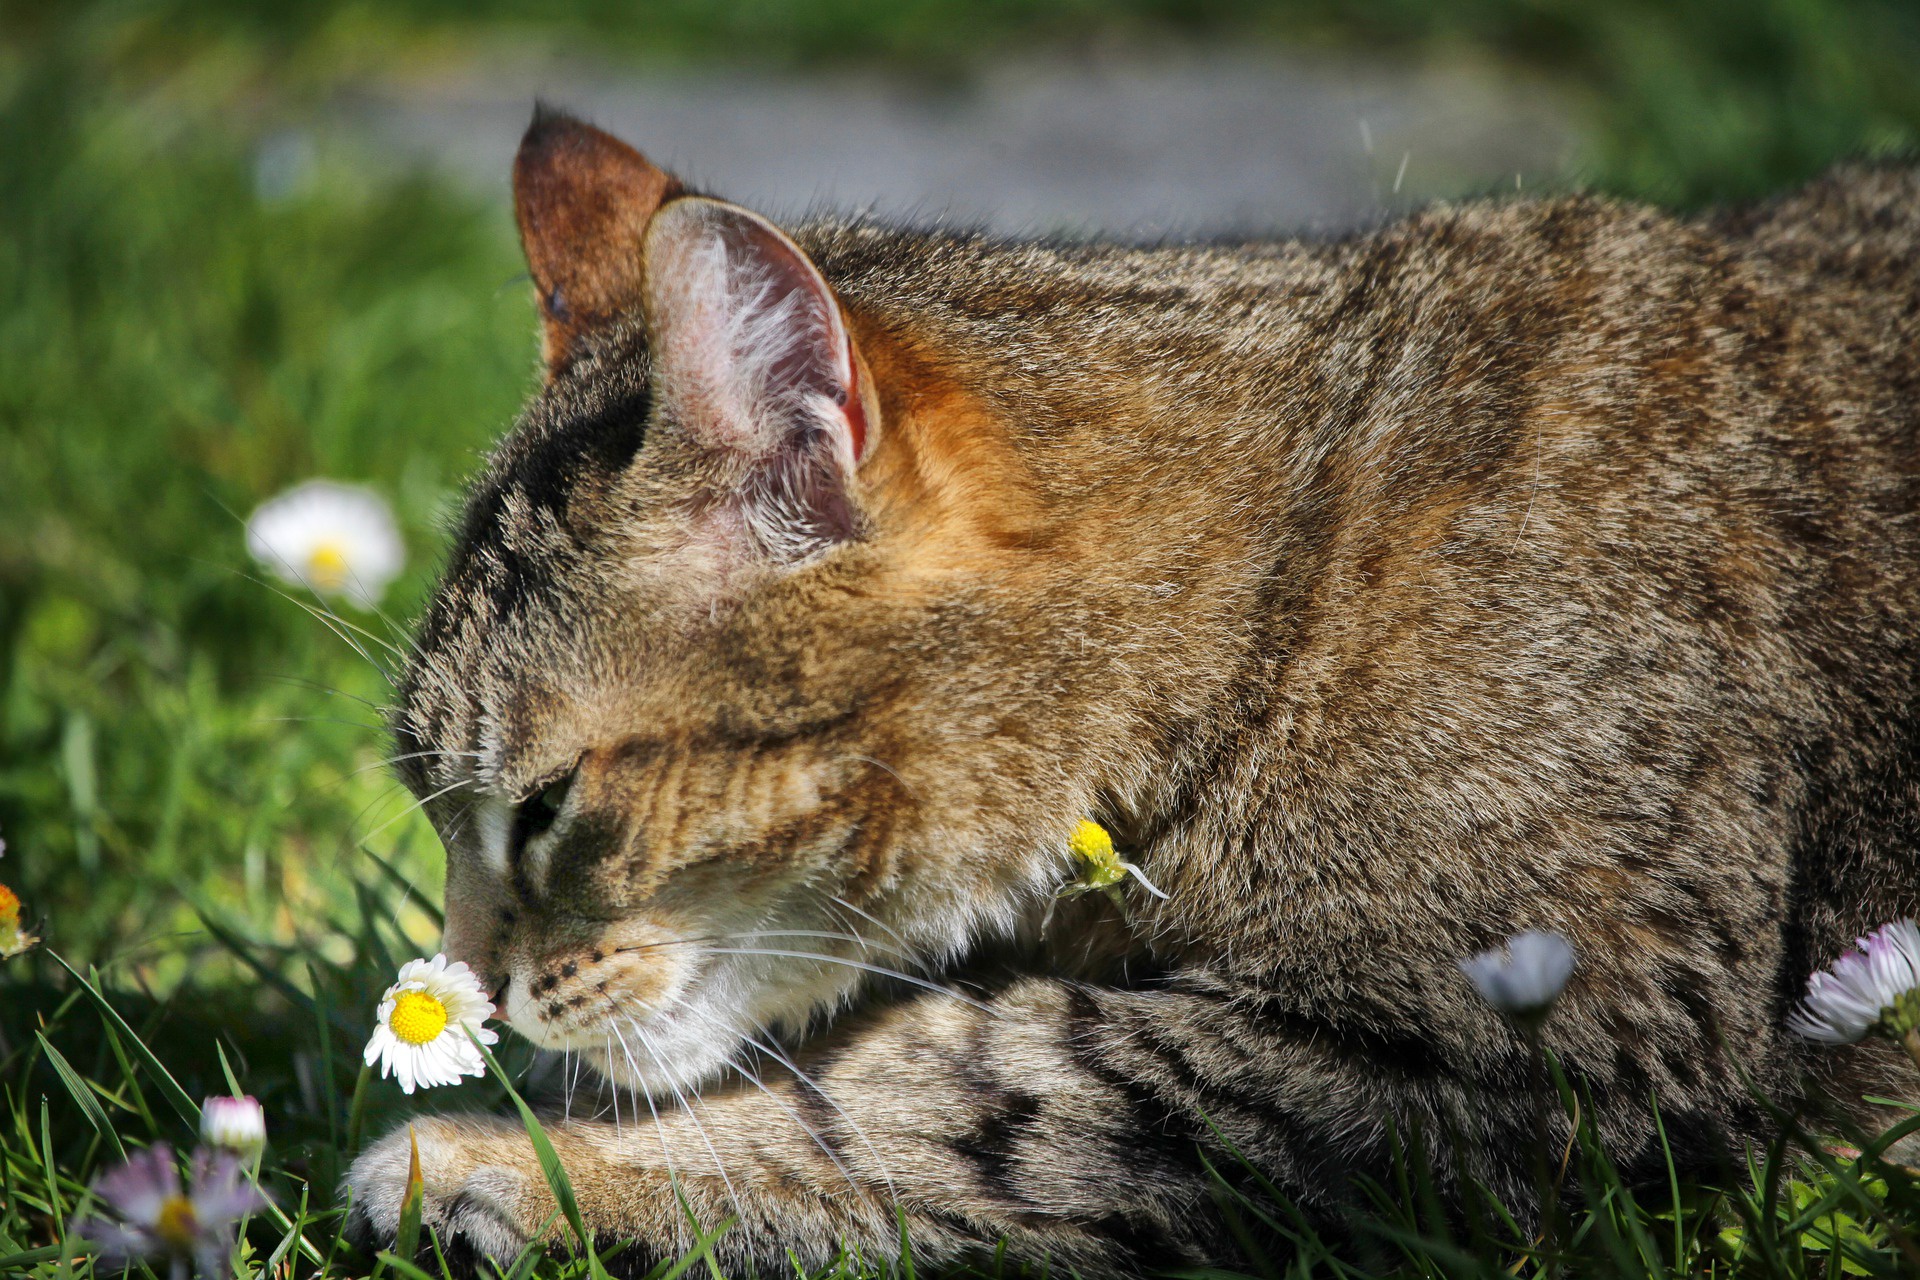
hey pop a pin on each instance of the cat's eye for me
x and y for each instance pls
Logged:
(537, 812)
(553, 796)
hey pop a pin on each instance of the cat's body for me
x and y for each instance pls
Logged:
(1521, 565)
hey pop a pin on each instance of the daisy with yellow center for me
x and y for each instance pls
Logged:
(423, 1021)
(337, 539)
(145, 1212)
(328, 567)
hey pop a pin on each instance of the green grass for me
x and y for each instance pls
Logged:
(190, 763)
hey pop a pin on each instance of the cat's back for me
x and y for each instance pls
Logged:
(1470, 302)
(1855, 228)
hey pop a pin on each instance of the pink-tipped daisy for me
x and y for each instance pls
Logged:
(1874, 987)
(150, 1216)
(238, 1125)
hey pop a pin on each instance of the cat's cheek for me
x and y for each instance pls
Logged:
(648, 966)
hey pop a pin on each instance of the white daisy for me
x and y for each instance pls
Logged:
(238, 1125)
(147, 1214)
(337, 539)
(1523, 978)
(1875, 986)
(424, 1017)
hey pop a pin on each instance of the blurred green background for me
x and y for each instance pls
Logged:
(182, 337)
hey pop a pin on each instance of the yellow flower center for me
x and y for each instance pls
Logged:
(1100, 863)
(9, 909)
(417, 1017)
(176, 1224)
(1090, 842)
(327, 565)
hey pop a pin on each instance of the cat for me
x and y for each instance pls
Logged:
(1532, 563)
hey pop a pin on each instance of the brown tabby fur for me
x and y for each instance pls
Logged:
(1521, 564)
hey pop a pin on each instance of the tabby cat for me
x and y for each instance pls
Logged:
(1522, 564)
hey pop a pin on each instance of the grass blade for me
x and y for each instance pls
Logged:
(82, 1095)
(162, 1078)
(549, 1159)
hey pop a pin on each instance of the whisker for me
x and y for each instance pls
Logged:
(659, 1130)
(852, 1183)
(613, 1088)
(390, 761)
(454, 831)
(398, 632)
(317, 687)
(421, 803)
(761, 933)
(328, 619)
(718, 1164)
(344, 630)
(881, 764)
(862, 965)
(357, 724)
(333, 615)
(573, 1082)
(768, 1049)
(872, 920)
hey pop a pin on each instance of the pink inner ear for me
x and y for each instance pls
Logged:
(856, 407)
(751, 357)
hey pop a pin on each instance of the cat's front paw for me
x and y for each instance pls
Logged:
(483, 1188)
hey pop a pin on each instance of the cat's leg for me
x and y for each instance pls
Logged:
(1065, 1120)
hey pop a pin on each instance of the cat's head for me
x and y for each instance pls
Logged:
(749, 643)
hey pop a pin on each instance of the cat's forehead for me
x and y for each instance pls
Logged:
(530, 552)
(541, 503)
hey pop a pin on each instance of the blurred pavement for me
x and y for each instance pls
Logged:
(1183, 145)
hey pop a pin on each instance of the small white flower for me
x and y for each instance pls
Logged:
(238, 1125)
(424, 1017)
(338, 539)
(1872, 986)
(1523, 979)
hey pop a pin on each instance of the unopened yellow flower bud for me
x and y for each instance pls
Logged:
(13, 939)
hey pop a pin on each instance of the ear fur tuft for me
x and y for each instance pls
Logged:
(752, 357)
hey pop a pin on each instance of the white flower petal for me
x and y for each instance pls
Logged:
(1526, 976)
(1845, 1000)
(234, 1124)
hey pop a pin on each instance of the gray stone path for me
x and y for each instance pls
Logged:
(1183, 145)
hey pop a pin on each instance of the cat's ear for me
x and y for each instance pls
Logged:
(583, 200)
(752, 357)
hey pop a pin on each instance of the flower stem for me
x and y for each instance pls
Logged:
(1911, 1043)
(1548, 1188)
(357, 1110)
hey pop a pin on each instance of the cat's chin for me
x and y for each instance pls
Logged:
(729, 1021)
